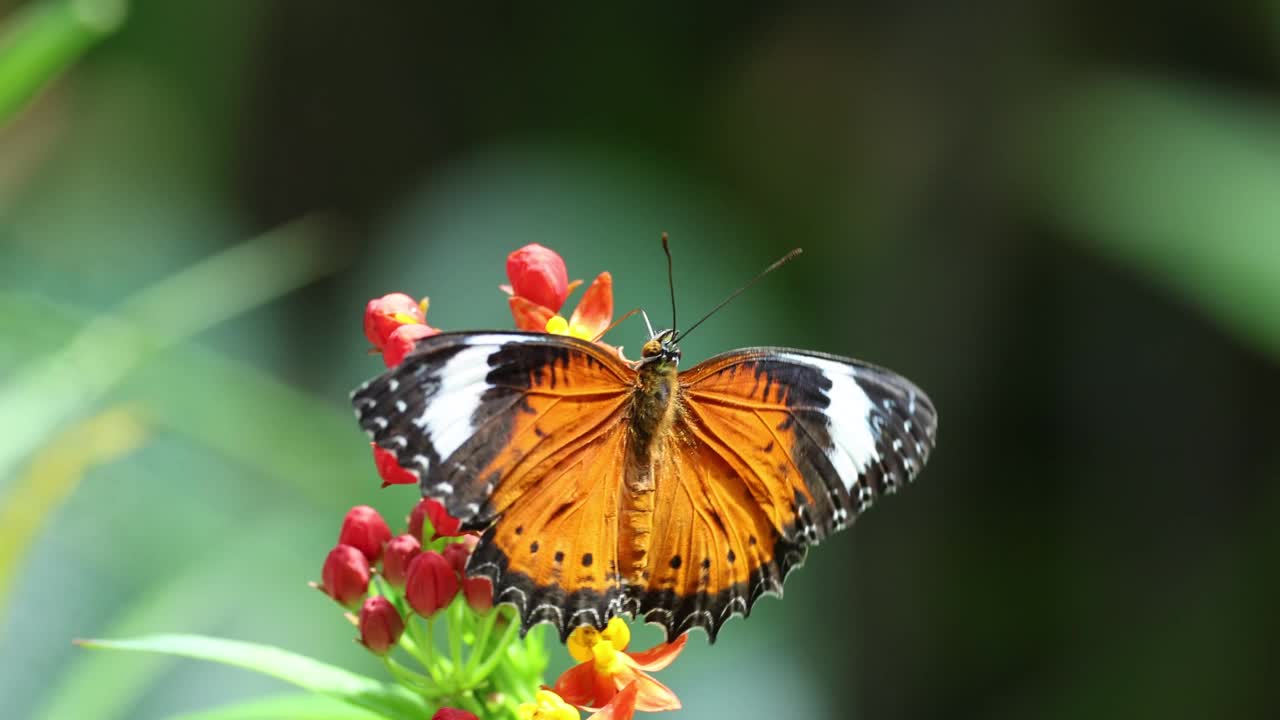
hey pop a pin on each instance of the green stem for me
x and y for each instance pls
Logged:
(478, 649)
(44, 39)
(420, 683)
(499, 652)
(426, 645)
(457, 625)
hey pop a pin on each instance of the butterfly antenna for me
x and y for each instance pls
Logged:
(671, 283)
(777, 264)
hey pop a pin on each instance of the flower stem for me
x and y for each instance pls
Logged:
(478, 649)
(457, 625)
(417, 681)
(499, 652)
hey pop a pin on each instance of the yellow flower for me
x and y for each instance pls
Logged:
(547, 706)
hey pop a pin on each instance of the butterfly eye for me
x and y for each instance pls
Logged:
(653, 348)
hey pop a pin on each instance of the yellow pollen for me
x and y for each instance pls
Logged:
(581, 640)
(558, 325)
(607, 660)
(404, 319)
(617, 633)
(547, 706)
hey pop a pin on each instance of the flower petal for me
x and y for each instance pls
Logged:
(653, 696)
(595, 311)
(581, 685)
(621, 707)
(389, 470)
(658, 656)
(528, 314)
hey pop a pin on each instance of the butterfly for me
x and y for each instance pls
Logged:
(604, 487)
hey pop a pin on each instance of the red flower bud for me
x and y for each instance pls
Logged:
(389, 469)
(383, 315)
(402, 341)
(453, 714)
(443, 524)
(458, 552)
(345, 575)
(365, 530)
(395, 560)
(479, 593)
(431, 583)
(538, 274)
(380, 624)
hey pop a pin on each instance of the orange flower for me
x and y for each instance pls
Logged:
(549, 706)
(538, 288)
(605, 669)
(593, 314)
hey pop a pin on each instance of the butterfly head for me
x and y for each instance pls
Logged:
(661, 349)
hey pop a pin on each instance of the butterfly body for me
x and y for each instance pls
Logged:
(604, 487)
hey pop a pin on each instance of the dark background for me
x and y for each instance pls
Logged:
(1062, 220)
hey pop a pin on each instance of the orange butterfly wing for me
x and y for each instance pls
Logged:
(521, 436)
(774, 449)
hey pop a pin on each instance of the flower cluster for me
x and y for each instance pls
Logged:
(410, 597)
(407, 585)
(423, 571)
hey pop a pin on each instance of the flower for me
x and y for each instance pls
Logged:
(549, 706)
(605, 669)
(365, 530)
(384, 315)
(538, 275)
(458, 552)
(389, 468)
(538, 290)
(431, 583)
(479, 593)
(380, 625)
(593, 314)
(453, 714)
(345, 576)
(442, 523)
(400, 551)
(403, 340)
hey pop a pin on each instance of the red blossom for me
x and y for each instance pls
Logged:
(345, 575)
(389, 468)
(453, 714)
(442, 523)
(431, 583)
(605, 669)
(365, 530)
(458, 552)
(382, 316)
(380, 625)
(622, 706)
(401, 342)
(400, 551)
(479, 593)
(538, 274)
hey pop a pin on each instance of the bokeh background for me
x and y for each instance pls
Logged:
(1061, 219)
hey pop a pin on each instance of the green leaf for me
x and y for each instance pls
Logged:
(391, 701)
(294, 707)
(1178, 181)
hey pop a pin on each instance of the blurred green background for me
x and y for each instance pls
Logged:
(1061, 219)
